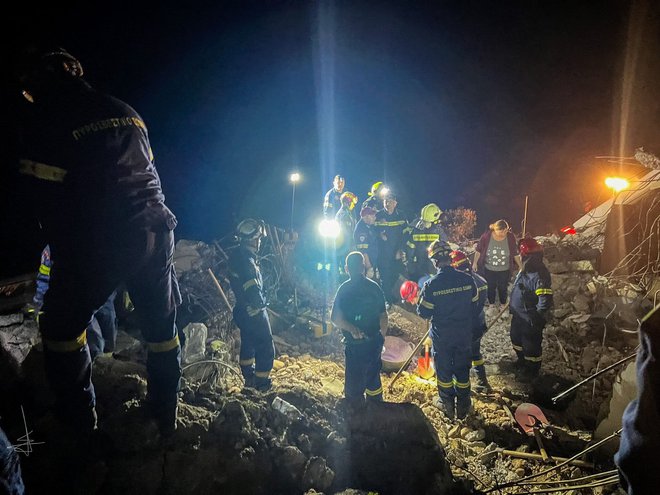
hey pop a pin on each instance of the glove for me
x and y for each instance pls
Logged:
(370, 272)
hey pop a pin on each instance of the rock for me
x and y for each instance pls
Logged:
(317, 474)
(520, 472)
(454, 431)
(581, 266)
(13, 319)
(293, 461)
(475, 436)
(464, 431)
(581, 303)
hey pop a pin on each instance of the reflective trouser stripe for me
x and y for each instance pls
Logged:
(517, 347)
(42, 171)
(246, 362)
(262, 374)
(67, 345)
(166, 346)
(479, 362)
(374, 392)
(44, 270)
(445, 384)
(249, 283)
(427, 304)
(461, 384)
(533, 359)
(362, 246)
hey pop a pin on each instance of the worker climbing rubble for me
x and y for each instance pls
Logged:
(332, 199)
(448, 300)
(531, 302)
(250, 315)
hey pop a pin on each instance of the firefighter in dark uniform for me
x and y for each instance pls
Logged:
(419, 237)
(359, 311)
(448, 300)
(461, 262)
(87, 161)
(390, 224)
(332, 199)
(531, 300)
(250, 314)
(366, 241)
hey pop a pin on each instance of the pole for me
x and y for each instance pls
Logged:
(525, 217)
(219, 287)
(293, 201)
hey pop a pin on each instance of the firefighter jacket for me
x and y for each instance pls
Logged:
(331, 202)
(392, 226)
(531, 296)
(88, 160)
(448, 299)
(246, 281)
(365, 241)
(417, 242)
(479, 322)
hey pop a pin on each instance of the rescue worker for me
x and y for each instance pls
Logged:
(366, 241)
(375, 199)
(448, 300)
(101, 332)
(346, 223)
(531, 300)
(637, 458)
(359, 312)
(250, 314)
(332, 199)
(461, 262)
(419, 237)
(409, 292)
(390, 224)
(86, 159)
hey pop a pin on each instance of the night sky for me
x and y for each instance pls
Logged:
(461, 103)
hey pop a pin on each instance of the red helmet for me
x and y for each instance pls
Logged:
(459, 259)
(528, 246)
(409, 290)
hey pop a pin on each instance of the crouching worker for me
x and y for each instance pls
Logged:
(250, 315)
(447, 299)
(359, 312)
(531, 299)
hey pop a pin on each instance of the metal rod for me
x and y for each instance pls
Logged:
(539, 457)
(293, 200)
(219, 287)
(525, 218)
(592, 377)
(413, 353)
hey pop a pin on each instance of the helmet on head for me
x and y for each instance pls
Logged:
(431, 213)
(250, 229)
(348, 199)
(528, 246)
(40, 64)
(459, 260)
(367, 210)
(439, 250)
(375, 188)
(409, 291)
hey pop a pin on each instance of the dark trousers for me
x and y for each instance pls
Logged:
(498, 282)
(363, 365)
(452, 369)
(102, 331)
(82, 280)
(526, 338)
(477, 335)
(390, 270)
(11, 481)
(257, 351)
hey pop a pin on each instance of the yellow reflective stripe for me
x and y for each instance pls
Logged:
(246, 362)
(476, 298)
(262, 374)
(410, 245)
(479, 362)
(425, 237)
(166, 346)
(540, 292)
(427, 304)
(533, 359)
(362, 246)
(461, 384)
(395, 223)
(41, 171)
(483, 287)
(67, 345)
(445, 384)
(249, 283)
(372, 393)
(44, 270)
(517, 347)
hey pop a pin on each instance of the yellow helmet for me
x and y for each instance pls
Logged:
(431, 213)
(348, 199)
(375, 188)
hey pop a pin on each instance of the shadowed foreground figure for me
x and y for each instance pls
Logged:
(11, 481)
(88, 170)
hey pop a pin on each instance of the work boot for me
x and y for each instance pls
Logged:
(249, 381)
(164, 415)
(463, 407)
(528, 372)
(482, 385)
(262, 384)
(447, 407)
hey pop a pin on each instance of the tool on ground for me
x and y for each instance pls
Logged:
(407, 362)
(539, 457)
(531, 418)
(424, 369)
(504, 308)
(592, 377)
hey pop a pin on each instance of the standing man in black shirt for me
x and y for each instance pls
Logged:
(359, 311)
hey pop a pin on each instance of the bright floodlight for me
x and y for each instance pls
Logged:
(617, 184)
(294, 177)
(329, 228)
(383, 191)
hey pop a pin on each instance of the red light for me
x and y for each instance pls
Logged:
(568, 230)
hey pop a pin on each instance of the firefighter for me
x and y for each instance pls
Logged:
(250, 315)
(409, 292)
(86, 159)
(418, 238)
(390, 224)
(531, 300)
(375, 199)
(448, 300)
(366, 241)
(461, 262)
(332, 199)
(359, 312)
